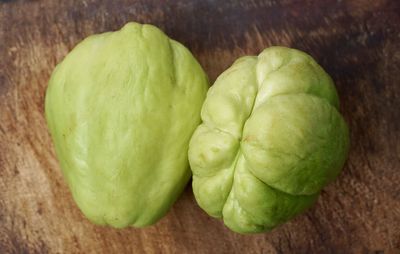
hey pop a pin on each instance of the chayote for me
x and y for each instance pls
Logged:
(271, 139)
(121, 108)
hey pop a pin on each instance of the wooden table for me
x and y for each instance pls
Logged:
(357, 42)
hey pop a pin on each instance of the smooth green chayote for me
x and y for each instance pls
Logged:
(271, 139)
(121, 108)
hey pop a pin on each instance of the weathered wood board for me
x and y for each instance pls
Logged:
(357, 42)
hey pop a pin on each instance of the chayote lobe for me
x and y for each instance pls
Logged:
(121, 108)
(271, 139)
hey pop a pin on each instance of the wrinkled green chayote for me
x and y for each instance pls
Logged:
(271, 139)
(121, 108)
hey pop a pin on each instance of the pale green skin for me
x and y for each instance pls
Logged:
(271, 139)
(121, 108)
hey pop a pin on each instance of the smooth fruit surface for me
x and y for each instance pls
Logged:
(121, 108)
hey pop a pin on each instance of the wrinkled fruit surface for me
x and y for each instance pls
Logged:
(271, 139)
(121, 108)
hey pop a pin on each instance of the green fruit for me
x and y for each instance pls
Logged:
(271, 139)
(121, 108)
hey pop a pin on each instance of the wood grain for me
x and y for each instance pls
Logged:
(357, 42)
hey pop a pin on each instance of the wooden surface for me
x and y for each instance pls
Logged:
(357, 42)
